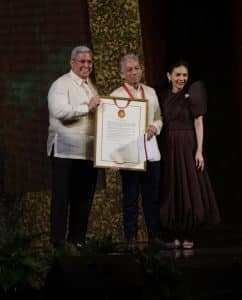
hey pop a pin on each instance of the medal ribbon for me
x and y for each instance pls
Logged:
(121, 112)
(130, 94)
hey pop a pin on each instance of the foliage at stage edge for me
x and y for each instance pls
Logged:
(162, 275)
(24, 267)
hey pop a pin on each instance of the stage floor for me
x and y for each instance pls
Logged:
(210, 271)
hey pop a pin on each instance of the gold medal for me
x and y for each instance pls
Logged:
(121, 113)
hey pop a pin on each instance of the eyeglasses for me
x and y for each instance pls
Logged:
(83, 61)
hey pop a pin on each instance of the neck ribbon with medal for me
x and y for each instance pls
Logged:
(121, 112)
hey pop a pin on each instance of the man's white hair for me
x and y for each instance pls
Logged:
(79, 49)
(127, 57)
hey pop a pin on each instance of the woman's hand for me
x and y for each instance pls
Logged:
(199, 160)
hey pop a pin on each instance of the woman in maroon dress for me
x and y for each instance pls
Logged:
(188, 200)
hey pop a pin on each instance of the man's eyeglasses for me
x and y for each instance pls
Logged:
(83, 61)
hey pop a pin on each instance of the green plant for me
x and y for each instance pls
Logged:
(100, 246)
(92, 247)
(24, 267)
(163, 276)
(21, 266)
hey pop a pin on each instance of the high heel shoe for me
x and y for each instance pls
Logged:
(177, 244)
(187, 244)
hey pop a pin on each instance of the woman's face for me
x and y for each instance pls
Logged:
(178, 78)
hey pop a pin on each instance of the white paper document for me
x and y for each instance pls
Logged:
(118, 127)
(148, 149)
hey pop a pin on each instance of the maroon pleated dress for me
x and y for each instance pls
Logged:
(188, 199)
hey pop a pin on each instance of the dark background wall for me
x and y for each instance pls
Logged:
(36, 38)
(238, 50)
(209, 39)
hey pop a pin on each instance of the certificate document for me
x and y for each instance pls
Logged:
(120, 123)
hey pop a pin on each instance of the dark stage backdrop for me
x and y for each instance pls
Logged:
(36, 40)
(207, 38)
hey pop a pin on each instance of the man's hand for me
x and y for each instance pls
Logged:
(93, 103)
(151, 130)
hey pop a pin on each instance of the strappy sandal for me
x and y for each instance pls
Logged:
(187, 244)
(177, 244)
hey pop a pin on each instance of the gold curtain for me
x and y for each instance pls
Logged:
(115, 31)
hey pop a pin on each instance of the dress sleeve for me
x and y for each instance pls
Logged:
(198, 99)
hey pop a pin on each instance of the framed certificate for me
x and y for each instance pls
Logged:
(120, 125)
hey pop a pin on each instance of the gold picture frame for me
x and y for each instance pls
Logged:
(119, 125)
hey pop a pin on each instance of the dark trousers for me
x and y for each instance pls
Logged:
(73, 188)
(147, 183)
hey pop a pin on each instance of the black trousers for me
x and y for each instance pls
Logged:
(148, 184)
(73, 188)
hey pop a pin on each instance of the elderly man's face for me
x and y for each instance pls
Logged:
(82, 64)
(131, 72)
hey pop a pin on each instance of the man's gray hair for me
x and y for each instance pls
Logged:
(79, 49)
(127, 57)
